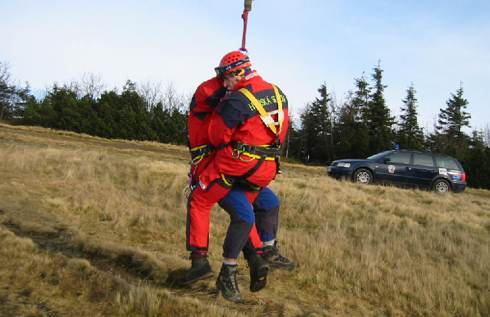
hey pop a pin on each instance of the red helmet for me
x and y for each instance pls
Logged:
(233, 61)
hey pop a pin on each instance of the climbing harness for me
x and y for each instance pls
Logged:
(264, 152)
(257, 152)
(274, 126)
(198, 153)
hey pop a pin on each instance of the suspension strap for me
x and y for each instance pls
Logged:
(247, 8)
(274, 126)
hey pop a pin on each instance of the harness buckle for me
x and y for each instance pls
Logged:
(237, 155)
(246, 161)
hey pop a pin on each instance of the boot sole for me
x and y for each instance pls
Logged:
(283, 267)
(259, 280)
(202, 277)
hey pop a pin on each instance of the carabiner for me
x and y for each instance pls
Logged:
(235, 154)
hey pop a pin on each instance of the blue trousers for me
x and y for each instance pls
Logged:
(264, 213)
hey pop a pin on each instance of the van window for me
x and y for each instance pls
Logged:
(423, 159)
(399, 158)
(447, 162)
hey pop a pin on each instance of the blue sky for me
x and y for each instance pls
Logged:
(436, 45)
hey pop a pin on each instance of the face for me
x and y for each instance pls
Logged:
(230, 82)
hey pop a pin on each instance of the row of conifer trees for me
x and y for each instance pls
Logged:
(324, 131)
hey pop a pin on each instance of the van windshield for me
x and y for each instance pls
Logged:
(377, 156)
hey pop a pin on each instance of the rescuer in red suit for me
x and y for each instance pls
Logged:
(266, 206)
(246, 129)
(205, 99)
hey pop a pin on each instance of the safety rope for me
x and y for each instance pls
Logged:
(247, 8)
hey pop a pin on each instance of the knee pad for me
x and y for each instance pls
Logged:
(238, 207)
(266, 200)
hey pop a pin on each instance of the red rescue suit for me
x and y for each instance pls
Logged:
(237, 121)
(204, 101)
(203, 104)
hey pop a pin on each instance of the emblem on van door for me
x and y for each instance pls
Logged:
(391, 169)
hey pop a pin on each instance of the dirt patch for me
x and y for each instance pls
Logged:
(61, 241)
(126, 263)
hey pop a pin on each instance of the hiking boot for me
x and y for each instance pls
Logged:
(258, 272)
(200, 269)
(275, 259)
(227, 283)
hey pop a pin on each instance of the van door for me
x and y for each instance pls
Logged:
(423, 170)
(394, 168)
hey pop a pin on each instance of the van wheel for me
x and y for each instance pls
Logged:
(363, 176)
(441, 186)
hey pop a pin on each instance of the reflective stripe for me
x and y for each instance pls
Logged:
(223, 177)
(258, 157)
(199, 147)
(267, 116)
(199, 152)
(197, 159)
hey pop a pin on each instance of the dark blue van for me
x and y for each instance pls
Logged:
(438, 172)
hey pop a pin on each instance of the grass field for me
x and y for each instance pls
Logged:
(96, 227)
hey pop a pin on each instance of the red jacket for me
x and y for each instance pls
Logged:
(236, 120)
(204, 101)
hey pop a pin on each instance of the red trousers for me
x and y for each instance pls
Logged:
(199, 212)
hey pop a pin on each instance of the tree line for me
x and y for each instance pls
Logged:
(360, 126)
(134, 113)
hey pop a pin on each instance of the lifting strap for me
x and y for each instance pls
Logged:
(246, 9)
(274, 126)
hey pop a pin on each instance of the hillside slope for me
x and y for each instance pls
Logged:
(96, 227)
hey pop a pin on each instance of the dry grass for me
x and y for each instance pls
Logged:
(93, 227)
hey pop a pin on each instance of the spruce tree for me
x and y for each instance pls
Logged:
(351, 132)
(317, 128)
(449, 135)
(377, 116)
(454, 118)
(410, 135)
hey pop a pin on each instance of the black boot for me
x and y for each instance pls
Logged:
(199, 270)
(258, 272)
(227, 283)
(275, 259)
